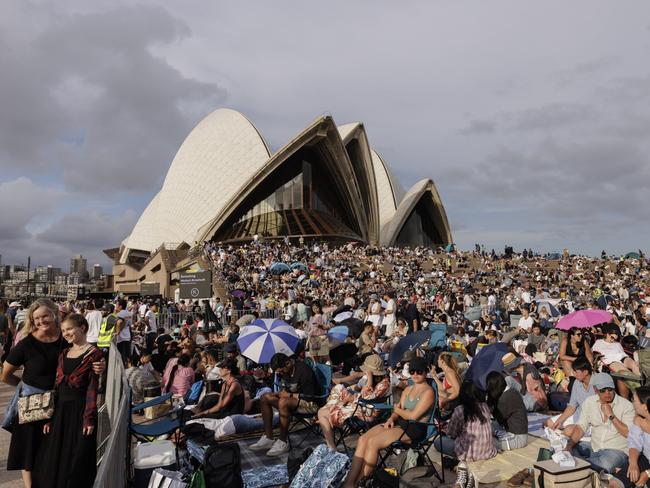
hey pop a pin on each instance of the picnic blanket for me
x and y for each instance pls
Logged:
(266, 476)
(501, 467)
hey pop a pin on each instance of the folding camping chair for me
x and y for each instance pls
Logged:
(356, 426)
(323, 373)
(422, 448)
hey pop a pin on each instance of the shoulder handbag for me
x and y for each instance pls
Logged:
(39, 406)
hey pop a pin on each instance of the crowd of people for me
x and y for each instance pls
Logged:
(588, 376)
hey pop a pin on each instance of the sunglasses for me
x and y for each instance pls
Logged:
(416, 371)
(605, 390)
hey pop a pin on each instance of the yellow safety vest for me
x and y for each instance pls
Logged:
(106, 330)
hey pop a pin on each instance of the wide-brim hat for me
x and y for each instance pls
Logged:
(510, 361)
(14, 304)
(373, 364)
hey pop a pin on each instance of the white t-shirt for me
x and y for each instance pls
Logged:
(125, 333)
(525, 323)
(611, 351)
(153, 325)
(94, 318)
(525, 297)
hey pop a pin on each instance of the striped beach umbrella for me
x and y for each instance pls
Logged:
(262, 338)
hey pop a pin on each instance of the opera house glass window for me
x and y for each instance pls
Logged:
(300, 199)
(419, 229)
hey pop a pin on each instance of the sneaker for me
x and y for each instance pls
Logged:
(263, 444)
(471, 481)
(461, 475)
(279, 448)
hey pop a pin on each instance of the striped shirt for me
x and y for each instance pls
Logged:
(474, 441)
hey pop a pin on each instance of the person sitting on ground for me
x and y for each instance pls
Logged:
(613, 355)
(232, 352)
(133, 375)
(573, 345)
(368, 339)
(637, 471)
(507, 407)
(608, 416)
(231, 399)
(468, 435)
(178, 376)
(342, 401)
(526, 380)
(536, 337)
(397, 333)
(298, 390)
(581, 390)
(449, 387)
(415, 404)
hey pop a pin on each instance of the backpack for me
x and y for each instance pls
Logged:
(222, 466)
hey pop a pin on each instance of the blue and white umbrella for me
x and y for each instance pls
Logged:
(262, 338)
(337, 335)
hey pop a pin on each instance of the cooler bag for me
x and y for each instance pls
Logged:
(549, 474)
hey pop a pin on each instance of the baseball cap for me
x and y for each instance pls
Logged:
(602, 380)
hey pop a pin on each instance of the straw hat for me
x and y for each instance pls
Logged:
(510, 361)
(373, 364)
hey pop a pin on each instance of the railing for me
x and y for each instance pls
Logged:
(172, 320)
(113, 447)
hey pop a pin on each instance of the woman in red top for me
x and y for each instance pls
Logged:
(67, 457)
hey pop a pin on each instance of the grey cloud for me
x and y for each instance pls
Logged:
(89, 230)
(479, 127)
(21, 201)
(551, 116)
(583, 69)
(99, 104)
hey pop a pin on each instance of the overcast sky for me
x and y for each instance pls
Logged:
(533, 118)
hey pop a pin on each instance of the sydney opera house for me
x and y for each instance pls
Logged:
(225, 185)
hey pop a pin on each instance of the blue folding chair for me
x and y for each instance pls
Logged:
(323, 373)
(422, 448)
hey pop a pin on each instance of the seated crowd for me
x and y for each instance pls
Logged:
(586, 379)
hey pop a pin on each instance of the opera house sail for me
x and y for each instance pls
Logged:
(224, 185)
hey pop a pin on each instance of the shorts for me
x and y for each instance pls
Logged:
(416, 432)
(306, 407)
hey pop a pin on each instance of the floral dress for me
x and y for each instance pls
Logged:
(342, 402)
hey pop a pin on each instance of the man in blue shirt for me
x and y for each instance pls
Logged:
(581, 390)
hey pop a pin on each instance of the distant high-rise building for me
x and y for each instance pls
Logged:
(78, 264)
(98, 271)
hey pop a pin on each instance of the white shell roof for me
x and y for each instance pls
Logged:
(218, 156)
(389, 191)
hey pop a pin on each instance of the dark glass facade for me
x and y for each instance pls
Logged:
(419, 229)
(300, 198)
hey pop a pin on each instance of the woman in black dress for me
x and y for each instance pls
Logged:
(38, 355)
(67, 457)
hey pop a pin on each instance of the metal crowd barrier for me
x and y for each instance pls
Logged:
(113, 446)
(172, 320)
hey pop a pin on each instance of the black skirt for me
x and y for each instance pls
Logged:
(26, 440)
(67, 458)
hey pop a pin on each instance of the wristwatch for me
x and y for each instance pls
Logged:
(611, 417)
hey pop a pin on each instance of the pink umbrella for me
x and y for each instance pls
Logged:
(584, 319)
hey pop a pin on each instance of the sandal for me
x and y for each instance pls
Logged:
(518, 479)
